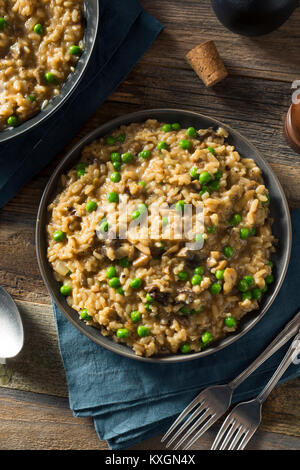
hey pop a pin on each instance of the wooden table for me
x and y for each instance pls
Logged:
(34, 411)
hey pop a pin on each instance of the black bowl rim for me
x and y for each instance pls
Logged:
(70, 85)
(93, 333)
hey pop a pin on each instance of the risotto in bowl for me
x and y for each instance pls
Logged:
(44, 48)
(159, 238)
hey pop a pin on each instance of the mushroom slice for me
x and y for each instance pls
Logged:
(141, 261)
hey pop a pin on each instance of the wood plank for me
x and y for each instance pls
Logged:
(273, 56)
(31, 421)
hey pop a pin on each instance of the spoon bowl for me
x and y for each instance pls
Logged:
(11, 327)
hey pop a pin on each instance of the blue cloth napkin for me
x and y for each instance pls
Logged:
(131, 401)
(125, 32)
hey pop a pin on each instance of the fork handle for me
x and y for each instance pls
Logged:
(291, 354)
(284, 336)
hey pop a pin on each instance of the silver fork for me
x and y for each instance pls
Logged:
(214, 401)
(245, 418)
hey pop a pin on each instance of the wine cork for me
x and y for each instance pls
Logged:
(207, 63)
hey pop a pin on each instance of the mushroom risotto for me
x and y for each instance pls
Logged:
(40, 42)
(150, 289)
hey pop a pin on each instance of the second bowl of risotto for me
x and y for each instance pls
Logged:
(45, 47)
(164, 235)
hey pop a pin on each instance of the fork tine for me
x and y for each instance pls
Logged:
(229, 435)
(204, 428)
(236, 438)
(221, 432)
(246, 439)
(199, 421)
(182, 415)
(186, 423)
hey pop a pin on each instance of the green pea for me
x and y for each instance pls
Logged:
(211, 229)
(194, 173)
(142, 208)
(180, 206)
(50, 78)
(121, 138)
(65, 290)
(162, 145)
(184, 310)
(117, 165)
(206, 337)
(135, 316)
(122, 333)
(214, 185)
(185, 144)
(142, 183)
(203, 191)
(243, 285)
(38, 29)
(247, 295)
(149, 298)
(228, 251)
(84, 315)
(75, 50)
(81, 166)
(114, 282)
(196, 279)
(199, 270)
(109, 140)
(115, 157)
(204, 177)
(265, 288)
(115, 177)
(91, 206)
(124, 262)
(183, 276)
(113, 197)
(196, 312)
(81, 172)
(120, 291)
(166, 128)
(198, 238)
(127, 157)
(59, 236)
(235, 220)
(185, 348)
(176, 126)
(256, 293)
(249, 280)
(252, 232)
(271, 264)
(230, 322)
(31, 98)
(111, 272)
(143, 331)
(220, 274)
(191, 132)
(218, 175)
(164, 221)
(12, 121)
(244, 233)
(148, 306)
(269, 279)
(135, 215)
(136, 283)
(103, 227)
(267, 201)
(215, 288)
(145, 154)
(211, 150)
(3, 23)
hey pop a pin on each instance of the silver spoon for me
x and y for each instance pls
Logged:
(11, 327)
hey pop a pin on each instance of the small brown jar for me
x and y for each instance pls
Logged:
(292, 127)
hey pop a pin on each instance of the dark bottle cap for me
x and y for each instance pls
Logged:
(292, 127)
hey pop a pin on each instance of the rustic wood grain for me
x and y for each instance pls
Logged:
(34, 412)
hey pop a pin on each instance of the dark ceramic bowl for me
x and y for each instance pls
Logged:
(279, 212)
(91, 18)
